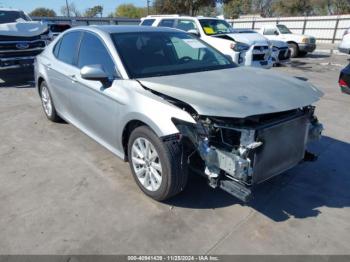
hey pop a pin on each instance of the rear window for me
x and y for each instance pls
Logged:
(167, 23)
(148, 22)
(68, 47)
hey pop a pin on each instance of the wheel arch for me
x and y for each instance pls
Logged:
(293, 42)
(130, 126)
(40, 80)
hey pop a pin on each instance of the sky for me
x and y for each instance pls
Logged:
(108, 5)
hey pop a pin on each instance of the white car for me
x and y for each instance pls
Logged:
(298, 44)
(280, 50)
(244, 49)
(344, 45)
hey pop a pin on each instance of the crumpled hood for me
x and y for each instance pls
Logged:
(249, 39)
(25, 29)
(236, 92)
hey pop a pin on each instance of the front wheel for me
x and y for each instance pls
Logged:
(294, 50)
(156, 165)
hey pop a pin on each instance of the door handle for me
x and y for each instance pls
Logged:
(48, 66)
(73, 78)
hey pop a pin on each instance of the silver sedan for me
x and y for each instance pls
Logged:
(167, 102)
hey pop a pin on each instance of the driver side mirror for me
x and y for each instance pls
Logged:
(95, 73)
(194, 32)
(276, 32)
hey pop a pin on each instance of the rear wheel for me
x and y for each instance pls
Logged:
(156, 165)
(47, 103)
(294, 50)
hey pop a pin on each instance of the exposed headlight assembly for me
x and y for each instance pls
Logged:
(239, 47)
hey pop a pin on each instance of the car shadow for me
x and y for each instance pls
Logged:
(19, 78)
(300, 193)
(317, 55)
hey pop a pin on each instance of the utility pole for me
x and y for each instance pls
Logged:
(67, 6)
(148, 2)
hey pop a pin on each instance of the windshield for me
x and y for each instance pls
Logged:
(148, 54)
(12, 16)
(215, 26)
(283, 29)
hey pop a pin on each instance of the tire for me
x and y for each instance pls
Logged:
(47, 103)
(302, 53)
(173, 172)
(294, 50)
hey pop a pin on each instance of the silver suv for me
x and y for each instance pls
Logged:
(167, 102)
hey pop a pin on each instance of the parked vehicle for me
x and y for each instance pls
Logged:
(56, 29)
(20, 39)
(168, 102)
(344, 45)
(244, 49)
(299, 45)
(344, 80)
(280, 50)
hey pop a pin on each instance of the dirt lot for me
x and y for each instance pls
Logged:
(62, 193)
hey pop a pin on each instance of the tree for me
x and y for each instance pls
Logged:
(94, 11)
(130, 11)
(234, 8)
(186, 7)
(293, 7)
(43, 12)
(71, 10)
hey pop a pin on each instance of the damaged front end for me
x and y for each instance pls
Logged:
(237, 154)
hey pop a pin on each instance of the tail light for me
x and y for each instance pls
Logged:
(342, 83)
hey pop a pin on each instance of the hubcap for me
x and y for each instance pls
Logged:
(46, 100)
(146, 164)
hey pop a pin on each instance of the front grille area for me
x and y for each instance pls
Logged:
(23, 38)
(20, 54)
(13, 45)
(261, 48)
(258, 57)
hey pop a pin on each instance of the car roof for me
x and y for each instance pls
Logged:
(112, 29)
(10, 9)
(178, 17)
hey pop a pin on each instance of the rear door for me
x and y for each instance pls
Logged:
(61, 71)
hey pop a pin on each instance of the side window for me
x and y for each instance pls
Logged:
(93, 52)
(148, 22)
(68, 46)
(56, 49)
(269, 31)
(167, 23)
(186, 25)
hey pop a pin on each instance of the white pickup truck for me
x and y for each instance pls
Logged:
(21, 39)
(299, 45)
(245, 49)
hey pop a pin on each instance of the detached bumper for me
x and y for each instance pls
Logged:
(307, 47)
(16, 62)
